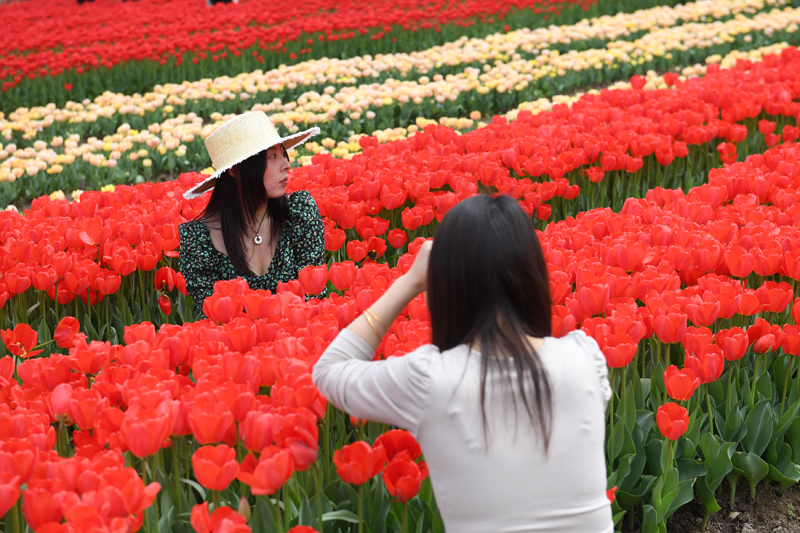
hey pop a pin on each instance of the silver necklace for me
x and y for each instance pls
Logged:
(258, 239)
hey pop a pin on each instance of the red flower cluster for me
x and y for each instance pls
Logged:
(53, 36)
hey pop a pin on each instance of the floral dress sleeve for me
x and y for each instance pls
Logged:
(196, 264)
(308, 242)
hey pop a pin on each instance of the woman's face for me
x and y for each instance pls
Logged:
(276, 175)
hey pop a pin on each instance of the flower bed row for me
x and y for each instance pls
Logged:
(223, 410)
(352, 109)
(171, 146)
(105, 249)
(131, 48)
(109, 111)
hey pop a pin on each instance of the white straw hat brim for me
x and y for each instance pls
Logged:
(243, 137)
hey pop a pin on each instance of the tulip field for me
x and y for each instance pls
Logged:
(655, 146)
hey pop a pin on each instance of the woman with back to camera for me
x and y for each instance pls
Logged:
(250, 227)
(511, 420)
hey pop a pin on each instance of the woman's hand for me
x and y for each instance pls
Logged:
(418, 273)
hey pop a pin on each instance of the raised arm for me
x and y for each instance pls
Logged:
(393, 391)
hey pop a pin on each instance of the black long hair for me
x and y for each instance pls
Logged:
(488, 281)
(235, 202)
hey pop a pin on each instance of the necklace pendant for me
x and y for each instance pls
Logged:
(258, 239)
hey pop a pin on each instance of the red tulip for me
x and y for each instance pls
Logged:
(357, 250)
(268, 473)
(39, 505)
(20, 340)
(672, 420)
(145, 431)
(164, 280)
(343, 275)
(165, 304)
(397, 238)
(84, 405)
(593, 299)
(222, 520)
(313, 279)
(619, 349)
(210, 422)
(357, 463)
(791, 339)
(680, 384)
(670, 327)
(708, 364)
(398, 440)
(65, 331)
(403, 477)
(733, 342)
(90, 359)
(9, 491)
(612, 493)
(215, 466)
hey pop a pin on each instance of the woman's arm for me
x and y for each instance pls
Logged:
(198, 273)
(393, 391)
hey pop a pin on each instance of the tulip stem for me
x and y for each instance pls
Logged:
(669, 459)
(405, 517)
(666, 356)
(155, 462)
(361, 508)
(318, 483)
(611, 416)
(13, 517)
(176, 476)
(147, 510)
(278, 509)
(216, 499)
(755, 381)
(789, 369)
(710, 414)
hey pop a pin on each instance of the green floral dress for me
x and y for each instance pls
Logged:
(302, 243)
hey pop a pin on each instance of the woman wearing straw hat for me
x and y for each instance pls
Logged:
(250, 227)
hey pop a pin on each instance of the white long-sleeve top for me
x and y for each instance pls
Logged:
(511, 485)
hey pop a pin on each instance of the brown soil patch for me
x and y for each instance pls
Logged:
(770, 512)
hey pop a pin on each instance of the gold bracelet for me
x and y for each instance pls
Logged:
(373, 315)
(374, 329)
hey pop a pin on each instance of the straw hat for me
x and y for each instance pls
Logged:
(241, 137)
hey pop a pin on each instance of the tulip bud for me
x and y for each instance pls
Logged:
(165, 304)
(244, 509)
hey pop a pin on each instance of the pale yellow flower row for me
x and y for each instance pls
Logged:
(359, 102)
(350, 148)
(354, 70)
(654, 81)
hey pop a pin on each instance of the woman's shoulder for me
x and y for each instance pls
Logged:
(302, 205)
(193, 233)
(584, 346)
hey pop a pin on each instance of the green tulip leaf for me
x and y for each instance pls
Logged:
(759, 424)
(734, 429)
(717, 460)
(342, 514)
(646, 420)
(649, 520)
(785, 420)
(753, 467)
(690, 469)
(685, 495)
(637, 463)
(783, 470)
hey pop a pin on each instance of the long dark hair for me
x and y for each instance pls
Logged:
(235, 202)
(488, 281)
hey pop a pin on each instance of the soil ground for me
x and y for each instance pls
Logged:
(770, 512)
